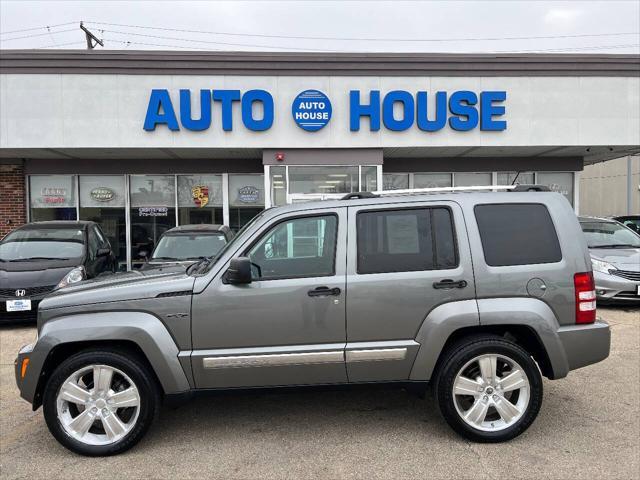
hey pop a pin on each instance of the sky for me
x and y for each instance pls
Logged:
(353, 26)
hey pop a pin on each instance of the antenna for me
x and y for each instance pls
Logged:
(91, 38)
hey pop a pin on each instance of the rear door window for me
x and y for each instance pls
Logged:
(517, 234)
(405, 240)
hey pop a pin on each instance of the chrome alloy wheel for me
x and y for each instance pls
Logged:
(98, 405)
(491, 392)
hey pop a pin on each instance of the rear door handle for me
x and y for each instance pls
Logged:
(324, 292)
(448, 283)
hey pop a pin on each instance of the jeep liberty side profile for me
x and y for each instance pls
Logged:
(479, 294)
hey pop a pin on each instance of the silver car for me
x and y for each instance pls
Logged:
(477, 294)
(615, 255)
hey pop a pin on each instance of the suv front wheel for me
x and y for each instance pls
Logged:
(100, 402)
(489, 389)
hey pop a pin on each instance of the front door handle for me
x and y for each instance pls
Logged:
(448, 283)
(324, 292)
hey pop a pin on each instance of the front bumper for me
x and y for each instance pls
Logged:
(585, 344)
(25, 382)
(610, 288)
(26, 316)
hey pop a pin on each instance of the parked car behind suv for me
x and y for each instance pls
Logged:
(615, 255)
(479, 294)
(39, 257)
(181, 246)
(630, 221)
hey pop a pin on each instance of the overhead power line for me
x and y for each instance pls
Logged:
(571, 49)
(124, 42)
(460, 39)
(39, 34)
(37, 28)
(212, 42)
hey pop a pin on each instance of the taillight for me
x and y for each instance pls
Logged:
(585, 297)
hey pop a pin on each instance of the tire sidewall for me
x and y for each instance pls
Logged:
(458, 359)
(137, 372)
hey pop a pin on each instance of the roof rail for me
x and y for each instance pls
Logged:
(417, 191)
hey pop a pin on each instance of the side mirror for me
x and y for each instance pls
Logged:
(103, 252)
(239, 271)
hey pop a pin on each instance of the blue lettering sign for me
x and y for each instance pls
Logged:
(248, 99)
(226, 98)
(358, 110)
(440, 119)
(390, 99)
(205, 111)
(462, 104)
(160, 111)
(311, 110)
(488, 110)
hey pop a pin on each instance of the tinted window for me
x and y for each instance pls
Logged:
(517, 234)
(300, 247)
(405, 240)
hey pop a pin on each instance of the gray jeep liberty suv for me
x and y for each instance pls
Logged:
(478, 294)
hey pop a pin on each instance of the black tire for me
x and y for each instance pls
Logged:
(462, 353)
(134, 368)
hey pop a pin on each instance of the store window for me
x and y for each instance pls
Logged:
(431, 180)
(472, 179)
(53, 197)
(369, 178)
(278, 185)
(200, 199)
(323, 179)
(516, 178)
(246, 199)
(395, 181)
(153, 212)
(561, 182)
(103, 200)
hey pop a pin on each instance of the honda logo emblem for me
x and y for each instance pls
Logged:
(21, 292)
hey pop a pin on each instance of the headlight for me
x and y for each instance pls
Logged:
(601, 266)
(74, 276)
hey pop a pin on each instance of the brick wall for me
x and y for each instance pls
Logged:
(12, 198)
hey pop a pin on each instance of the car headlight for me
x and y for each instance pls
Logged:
(74, 276)
(602, 266)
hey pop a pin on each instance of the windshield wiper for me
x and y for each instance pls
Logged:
(36, 258)
(616, 245)
(197, 266)
(164, 258)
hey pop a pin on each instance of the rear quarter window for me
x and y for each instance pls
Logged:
(517, 234)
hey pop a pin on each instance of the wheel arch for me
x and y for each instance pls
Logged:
(137, 333)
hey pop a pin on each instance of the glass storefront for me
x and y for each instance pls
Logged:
(135, 210)
(152, 213)
(103, 200)
(52, 197)
(246, 198)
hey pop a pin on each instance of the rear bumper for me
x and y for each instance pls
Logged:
(585, 344)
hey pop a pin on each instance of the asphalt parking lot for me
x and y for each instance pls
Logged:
(589, 427)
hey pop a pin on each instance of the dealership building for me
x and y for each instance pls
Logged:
(141, 141)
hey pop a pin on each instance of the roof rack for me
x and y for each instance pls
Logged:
(417, 191)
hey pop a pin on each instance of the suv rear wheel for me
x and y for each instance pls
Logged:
(100, 402)
(489, 389)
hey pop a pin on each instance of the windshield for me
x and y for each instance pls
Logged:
(42, 244)
(609, 235)
(188, 246)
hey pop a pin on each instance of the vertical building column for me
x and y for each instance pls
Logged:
(13, 198)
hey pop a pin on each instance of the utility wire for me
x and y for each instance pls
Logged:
(219, 43)
(107, 40)
(38, 34)
(37, 28)
(61, 45)
(572, 49)
(461, 39)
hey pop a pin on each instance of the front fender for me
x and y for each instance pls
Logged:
(143, 329)
(436, 329)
